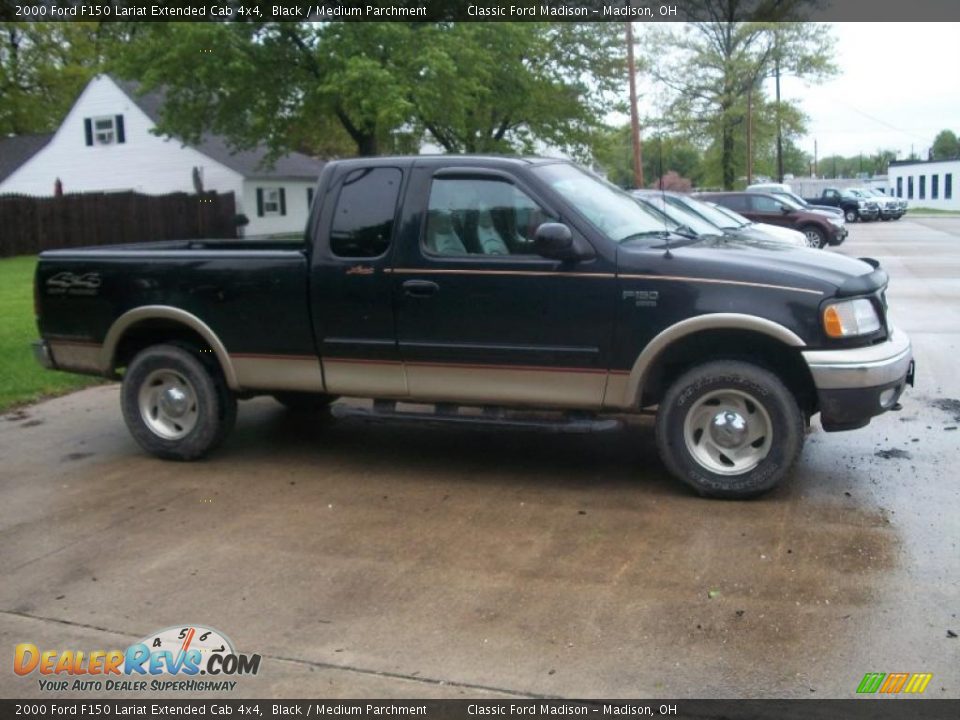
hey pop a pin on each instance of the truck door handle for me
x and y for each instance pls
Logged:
(420, 288)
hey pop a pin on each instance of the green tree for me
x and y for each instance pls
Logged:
(507, 87)
(945, 146)
(43, 67)
(708, 68)
(613, 154)
(381, 87)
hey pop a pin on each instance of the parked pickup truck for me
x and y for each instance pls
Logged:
(503, 291)
(854, 207)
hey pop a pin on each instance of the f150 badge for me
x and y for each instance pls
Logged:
(68, 283)
(642, 298)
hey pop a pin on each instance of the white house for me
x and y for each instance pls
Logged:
(105, 144)
(929, 184)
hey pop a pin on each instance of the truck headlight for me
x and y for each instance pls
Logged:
(861, 204)
(850, 318)
(835, 221)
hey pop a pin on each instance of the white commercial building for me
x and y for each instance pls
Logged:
(929, 184)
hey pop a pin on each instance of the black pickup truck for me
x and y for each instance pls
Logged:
(854, 207)
(498, 291)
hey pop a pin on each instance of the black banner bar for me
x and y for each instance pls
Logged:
(467, 10)
(857, 709)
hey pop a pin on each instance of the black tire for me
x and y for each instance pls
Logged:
(304, 402)
(786, 428)
(814, 236)
(851, 215)
(214, 406)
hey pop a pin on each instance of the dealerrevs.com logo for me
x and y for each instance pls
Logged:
(173, 659)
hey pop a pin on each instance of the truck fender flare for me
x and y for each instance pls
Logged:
(164, 312)
(710, 321)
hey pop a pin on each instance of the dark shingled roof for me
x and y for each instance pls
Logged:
(249, 163)
(16, 150)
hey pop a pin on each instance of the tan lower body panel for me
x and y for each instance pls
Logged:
(78, 357)
(365, 378)
(493, 385)
(278, 372)
(618, 391)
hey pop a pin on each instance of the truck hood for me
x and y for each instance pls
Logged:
(746, 259)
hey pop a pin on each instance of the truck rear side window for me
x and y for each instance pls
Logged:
(363, 218)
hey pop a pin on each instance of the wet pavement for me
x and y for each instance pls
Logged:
(395, 562)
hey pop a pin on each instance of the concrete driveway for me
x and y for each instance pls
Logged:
(383, 562)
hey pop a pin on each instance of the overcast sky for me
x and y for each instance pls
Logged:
(899, 84)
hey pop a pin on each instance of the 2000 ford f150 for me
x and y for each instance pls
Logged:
(503, 284)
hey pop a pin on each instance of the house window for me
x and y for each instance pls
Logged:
(271, 201)
(900, 187)
(923, 187)
(948, 186)
(910, 188)
(934, 187)
(104, 130)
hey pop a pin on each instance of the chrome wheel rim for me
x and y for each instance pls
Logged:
(728, 432)
(168, 404)
(813, 238)
(851, 216)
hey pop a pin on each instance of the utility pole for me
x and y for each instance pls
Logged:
(749, 135)
(776, 68)
(634, 116)
(815, 170)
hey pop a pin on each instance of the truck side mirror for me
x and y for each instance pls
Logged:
(554, 240)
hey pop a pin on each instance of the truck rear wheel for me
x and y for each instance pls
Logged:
(174, 405)
(729, 429)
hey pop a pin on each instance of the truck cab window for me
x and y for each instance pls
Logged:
(363, 218)
(480, 216)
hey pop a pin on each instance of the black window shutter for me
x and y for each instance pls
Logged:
(88, 129)
(309, 197)
(121, 137)
(283, 202)
(259, 202)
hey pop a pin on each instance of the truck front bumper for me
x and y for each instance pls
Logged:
(857, 384)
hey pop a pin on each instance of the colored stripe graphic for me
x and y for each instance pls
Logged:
(918, 682)
(871, 682)
(894, 683)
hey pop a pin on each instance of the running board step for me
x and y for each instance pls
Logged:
(491, 418)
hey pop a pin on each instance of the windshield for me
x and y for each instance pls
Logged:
(680, 217)
(701, 209)
(789, 202)
(612, 211)
(732, 214)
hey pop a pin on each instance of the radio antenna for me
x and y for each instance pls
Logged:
(663, 193)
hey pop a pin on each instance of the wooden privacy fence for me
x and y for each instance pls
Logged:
(31, 224)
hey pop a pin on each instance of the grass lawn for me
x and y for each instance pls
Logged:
(931, 211)
(22, 380)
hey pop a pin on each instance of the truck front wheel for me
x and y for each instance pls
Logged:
(851, 215)
(729, 429)
(174, 405)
